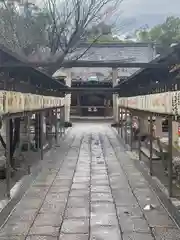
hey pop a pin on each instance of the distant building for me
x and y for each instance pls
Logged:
(125, 52)
(101, 103)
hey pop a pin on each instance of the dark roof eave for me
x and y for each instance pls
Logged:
(18, 58)
(159, 59)
(116, 44)
(45, 75)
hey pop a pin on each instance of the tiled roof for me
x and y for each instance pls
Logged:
(135, 52)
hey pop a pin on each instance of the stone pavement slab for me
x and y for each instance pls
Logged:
(93, 191)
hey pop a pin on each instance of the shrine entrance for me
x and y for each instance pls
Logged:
(91, 103)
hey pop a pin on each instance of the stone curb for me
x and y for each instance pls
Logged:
(19, 189)
(172, 205)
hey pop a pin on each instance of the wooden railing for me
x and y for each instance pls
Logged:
(12, 102)
(163, 103)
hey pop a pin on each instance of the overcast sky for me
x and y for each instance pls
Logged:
(136, 7)
(134, 14)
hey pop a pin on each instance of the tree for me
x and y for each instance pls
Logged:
(20, 31)
(165, 33)
(47, 34)
(102, 33)
(142, 34)
(55, 30)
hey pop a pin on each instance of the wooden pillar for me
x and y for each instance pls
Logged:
(131, 130)
(125, 129)
(47, 125)
(170, 167)
(175, 126)
(68, 96)
(144, 124)
(29, 132)
(104, 110)
(56, 126)
(150, 145)
(8, 159)
(107, 108)
(37, 130)
(158, 129)
(41, 134)
(62, 120)
(139, 139)
(28, 139)
(118, 120)
(121, 114)
(50, 128)
(79, 104)
(115, 97)
(58, 121)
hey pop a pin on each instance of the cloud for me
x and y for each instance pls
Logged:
(138, 7)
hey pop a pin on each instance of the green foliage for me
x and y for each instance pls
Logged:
(104, 39)
(102, 33)
(51, 30)
(99, 29)
(22, 32)
(165, 33)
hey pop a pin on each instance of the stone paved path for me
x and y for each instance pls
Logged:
(89, 189)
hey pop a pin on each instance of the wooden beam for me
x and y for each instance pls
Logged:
(89, 106)
(112, 64)
(90, 89)
(94, 64)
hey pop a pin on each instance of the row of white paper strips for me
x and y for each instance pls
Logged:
(167, 102)
(12, 102)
